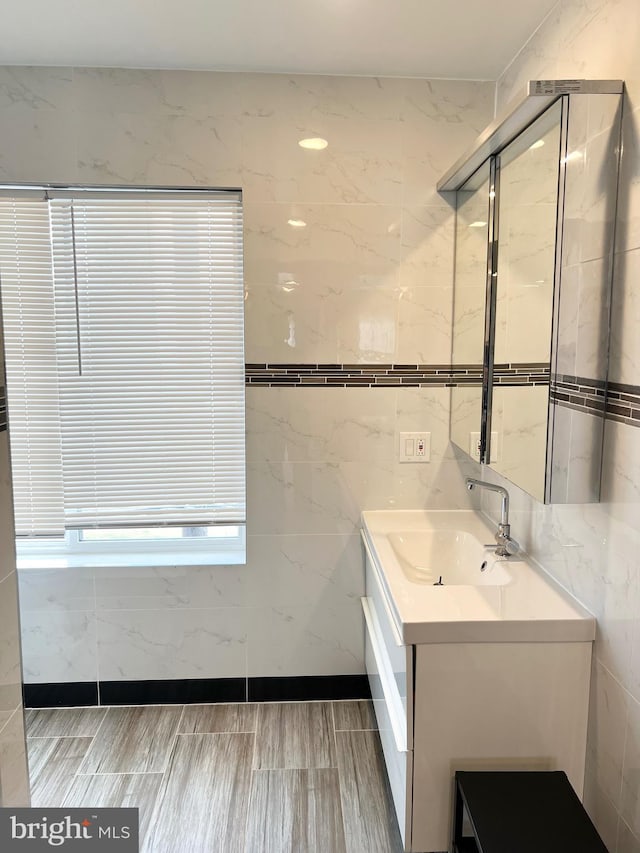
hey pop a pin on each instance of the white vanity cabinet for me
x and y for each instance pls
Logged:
(447, 706)
(390, 669)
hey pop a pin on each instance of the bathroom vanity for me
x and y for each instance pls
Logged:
(474, 662)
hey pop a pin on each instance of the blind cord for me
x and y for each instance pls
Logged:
(75, 290)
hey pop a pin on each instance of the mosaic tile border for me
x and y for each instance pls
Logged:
(620, 402)
(578, 392)
(275, 375)
(623, 403)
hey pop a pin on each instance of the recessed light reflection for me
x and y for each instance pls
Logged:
(538, 144)
(313, 143)
(297, 223)
(572, 156)
(477, 224)
(287, 282)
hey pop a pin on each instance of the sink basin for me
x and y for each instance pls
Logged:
(509, 601)
(449, 557)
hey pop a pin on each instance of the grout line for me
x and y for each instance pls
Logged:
(335, 740)
(521, 50)
(356, 730)
(58, 737)
(155, 806)
(255, 739)
(125, 773)
(176, 735)
(193, 734)
(294, 769)
(72, 779)
(251, 788)
(180, 719)
(211, 704)
(340, 789)
(91, 745)
(170, 748)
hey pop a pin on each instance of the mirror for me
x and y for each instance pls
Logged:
(468, 340)
(528, 171)
(533, 272)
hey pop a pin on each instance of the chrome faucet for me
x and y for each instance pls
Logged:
(505, 545)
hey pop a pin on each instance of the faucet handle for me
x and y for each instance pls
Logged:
(511, 546)
(506, 546)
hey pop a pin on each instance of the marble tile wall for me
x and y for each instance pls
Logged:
(593, 549)
(14, 780)
(367, 279)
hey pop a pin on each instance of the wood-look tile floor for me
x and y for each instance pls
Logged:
(303, 777)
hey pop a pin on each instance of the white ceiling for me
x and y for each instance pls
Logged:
(421, 38)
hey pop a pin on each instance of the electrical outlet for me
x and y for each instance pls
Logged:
(414, 447)
(474, 446)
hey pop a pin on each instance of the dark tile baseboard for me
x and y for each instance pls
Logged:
(190, 691)
(181, 691)
(308, 688)
(71, 694)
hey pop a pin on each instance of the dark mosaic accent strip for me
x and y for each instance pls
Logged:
(531, 373)
(3, 409)
(578, 392)
(623, 403)
(390, 375)
(619, 402)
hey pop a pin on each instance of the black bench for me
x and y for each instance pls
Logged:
(521, 812)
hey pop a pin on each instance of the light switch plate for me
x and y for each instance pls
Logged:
(414, 447)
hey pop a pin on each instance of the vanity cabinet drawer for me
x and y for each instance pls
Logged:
(398, 657)
(398, 758)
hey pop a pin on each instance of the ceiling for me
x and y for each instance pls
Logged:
(417, 38)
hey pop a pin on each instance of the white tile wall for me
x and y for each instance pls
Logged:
(14, 782)
(371, 277)
(59, 645)
(10, 672)
(196, 643)
(593, 549)
(14, 776)
(368, 279)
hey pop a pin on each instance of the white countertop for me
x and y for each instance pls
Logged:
(532, 607)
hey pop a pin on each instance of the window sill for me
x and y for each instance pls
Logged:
(136, 559)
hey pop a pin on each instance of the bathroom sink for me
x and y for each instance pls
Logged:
(447, 557)
(510, 600)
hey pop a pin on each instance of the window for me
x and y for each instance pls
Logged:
(123, 323)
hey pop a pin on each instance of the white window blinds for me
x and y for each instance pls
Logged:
(147, 301)
(26, 285)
